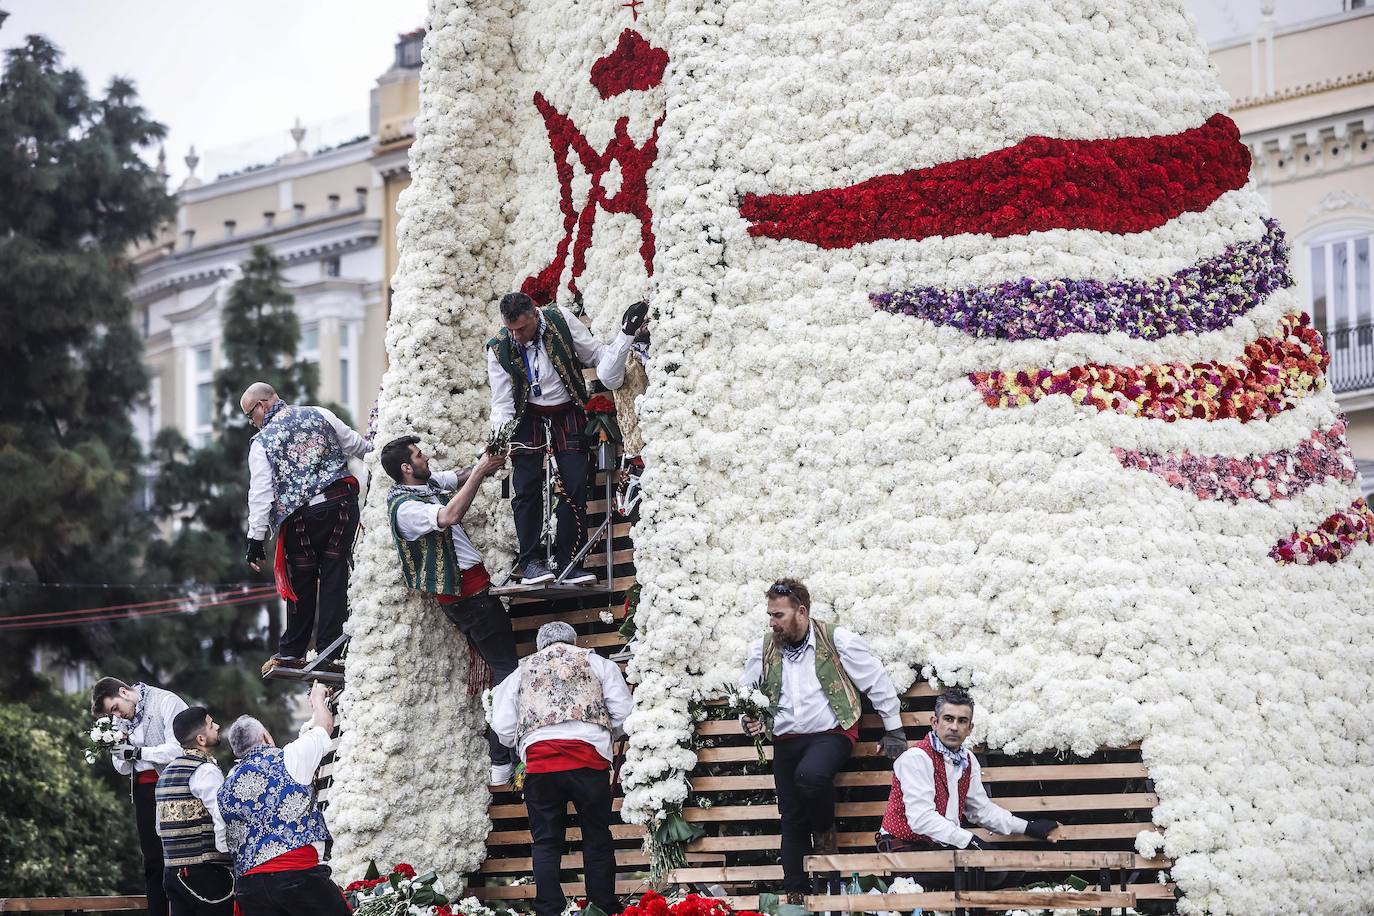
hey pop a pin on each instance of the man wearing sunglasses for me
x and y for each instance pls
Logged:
(300, 488)
(813, 673)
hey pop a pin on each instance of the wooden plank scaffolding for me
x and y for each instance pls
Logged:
(1103, 800)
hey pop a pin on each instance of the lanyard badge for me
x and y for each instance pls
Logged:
(532, 368)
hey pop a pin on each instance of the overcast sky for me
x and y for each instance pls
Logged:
(231, 76)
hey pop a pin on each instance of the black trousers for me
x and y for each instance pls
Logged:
(145, 819)
(804, 769)
(319, 552)
(527, 501)
(308, 892)
(546, 801)
(209, 881)
(484, 621)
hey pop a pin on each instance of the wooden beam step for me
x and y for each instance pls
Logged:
(111, 904)
(574, 834)
(864, 839)
(1002, 860)
(1014, 803)
(570, 889)
(590, 641)
(598, 557)
(625, 859)
(586, 615)
(1051, 773)
(620, 585)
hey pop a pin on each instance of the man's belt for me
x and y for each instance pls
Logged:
(552, 410)
(339, 489)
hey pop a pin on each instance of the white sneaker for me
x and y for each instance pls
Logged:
(501, 773)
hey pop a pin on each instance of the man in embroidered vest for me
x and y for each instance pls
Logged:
(437, 557)
(300, 488)
(560, 710)
(197, 873)
(813, 673)
(535, 366)
(276, 833)
(937, 786)
(150, 743)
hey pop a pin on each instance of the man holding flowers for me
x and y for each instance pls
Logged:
(812, 673)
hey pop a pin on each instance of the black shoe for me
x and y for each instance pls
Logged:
(536, 571)
(578, 576)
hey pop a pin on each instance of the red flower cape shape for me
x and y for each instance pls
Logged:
(1272, 375)
(1323, 455)
(1329, 542)
(1119, 185)
(634, 65)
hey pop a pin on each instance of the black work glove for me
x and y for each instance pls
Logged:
(1041, 827)
(892, 744)
(126, 752)
(256, 551)
(634, 318)
(975, 842)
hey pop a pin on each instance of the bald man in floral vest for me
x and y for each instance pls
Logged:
(300, 488)
(813, 674)
(937, 786)
(535, 365)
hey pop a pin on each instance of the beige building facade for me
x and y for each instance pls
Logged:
(1303, 93)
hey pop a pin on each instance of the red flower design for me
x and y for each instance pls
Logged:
(404, 870)
(600, 404)
(1329, 542)
(634, 65)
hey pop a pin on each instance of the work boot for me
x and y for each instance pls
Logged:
(825, 843)
(578, 576)
(282, 661)
(536, 571)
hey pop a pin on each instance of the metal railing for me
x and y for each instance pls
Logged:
(1352, 358)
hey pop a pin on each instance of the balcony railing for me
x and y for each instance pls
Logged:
(1352, 358)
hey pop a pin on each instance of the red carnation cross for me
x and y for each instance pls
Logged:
(634, 66)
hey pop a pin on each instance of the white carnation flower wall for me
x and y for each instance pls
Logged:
(793, 429)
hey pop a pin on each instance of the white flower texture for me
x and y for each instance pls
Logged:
(791, 430)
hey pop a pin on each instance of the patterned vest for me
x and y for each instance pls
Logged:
(839, 690)
(557, 684)
(185, 825)
(305, 455)
(154, 726)
(558, 344)
(894, 819)
(266, 812)
(428, 563)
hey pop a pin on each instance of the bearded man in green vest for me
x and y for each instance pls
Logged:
(813, 674)
(535, 365)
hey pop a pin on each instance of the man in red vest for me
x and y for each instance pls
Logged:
(937, 786)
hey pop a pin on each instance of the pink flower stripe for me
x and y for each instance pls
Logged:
(1323, 455)
(1330, 541)
(1272, 375)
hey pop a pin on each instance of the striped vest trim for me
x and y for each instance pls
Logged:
(428, 563)
(185, 827)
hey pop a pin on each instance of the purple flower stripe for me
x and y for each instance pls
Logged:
(1208, 296)
(1323, 455)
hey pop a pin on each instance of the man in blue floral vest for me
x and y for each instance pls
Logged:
(275, 831)
(535, 365)
(300, 488)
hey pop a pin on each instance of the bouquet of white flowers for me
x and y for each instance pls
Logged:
(753, 703)
(104, 735)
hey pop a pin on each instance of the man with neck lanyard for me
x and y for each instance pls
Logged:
(197, 871)
(276, 832)
(535, 365)
(300, 487)
(937, 785)
(149, 745)
(426, 509)
(813, 673)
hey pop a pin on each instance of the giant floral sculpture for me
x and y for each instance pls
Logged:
(968, 316)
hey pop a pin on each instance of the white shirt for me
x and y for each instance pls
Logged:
(162, 705)
(609, 360)
(505, 711)
(260, 473)
(205, 783)
(802, 706)
(914, 771)
(415, 519)
(302, 758)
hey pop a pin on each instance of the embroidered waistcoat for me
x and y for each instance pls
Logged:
(428, 563)
(894, 818)
(185, 826)
(558, 344)
(557, 684)
(152, 728)
(305, 455)
(839, 690)
(266, 812)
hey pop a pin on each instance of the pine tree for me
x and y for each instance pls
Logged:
(75, 197)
